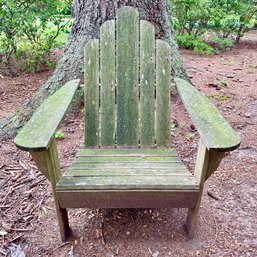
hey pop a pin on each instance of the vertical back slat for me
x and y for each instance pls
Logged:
(147, 81)
(91, 63)
(163, 80)
(107, 76)
(127, 76)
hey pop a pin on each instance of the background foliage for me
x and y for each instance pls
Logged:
(228, 19)
(30, 29)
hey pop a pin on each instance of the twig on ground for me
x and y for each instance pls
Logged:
(23, 164)
(21, 229)
(4, 206)
(8, 193)
(39, 203)
(61, 245)
(15, 238)
(2, 251)
(14, 179)
(102, 233)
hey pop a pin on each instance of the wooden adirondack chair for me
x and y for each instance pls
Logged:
(127, 161)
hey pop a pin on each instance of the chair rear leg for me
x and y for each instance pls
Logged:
(192, 218)
(63, 221)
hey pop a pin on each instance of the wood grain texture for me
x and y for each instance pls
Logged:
(128, 152)
(201, 167)
(91, 102)
(106, 172)
(127, 199)
(99, 171)
(133, 159)
(127, 76)
(214, 162)
(147, 84)
(48, 163)
(39, 131)
(128, 182)
(163, 85)
(214, 130)
(107, 77)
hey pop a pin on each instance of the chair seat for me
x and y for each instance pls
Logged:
(123, 170)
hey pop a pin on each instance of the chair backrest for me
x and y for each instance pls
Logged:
(127, 85)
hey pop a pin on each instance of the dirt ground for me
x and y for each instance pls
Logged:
(227, 223)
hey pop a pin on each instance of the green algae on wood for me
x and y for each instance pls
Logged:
(107, 77)
(127, 76)
(144, 182)
(144, 152)
(39, 131)
(147, 84)
(163, 85)
(214, 130)
(91, 66)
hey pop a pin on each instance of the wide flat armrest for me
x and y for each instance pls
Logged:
(38, 132)
(214, 130)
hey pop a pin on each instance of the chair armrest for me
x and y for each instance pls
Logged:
(38, 132)
(214, 130)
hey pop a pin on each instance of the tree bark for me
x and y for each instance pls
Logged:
(89, 15)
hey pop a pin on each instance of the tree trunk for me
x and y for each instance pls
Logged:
(89, 15)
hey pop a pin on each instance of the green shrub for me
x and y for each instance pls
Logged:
(228, 18)
(30, 29)
(202, 48)
(195, 43)
(224, 43)
(186, 41)
(190, 16)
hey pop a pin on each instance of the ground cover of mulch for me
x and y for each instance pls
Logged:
(227, 223)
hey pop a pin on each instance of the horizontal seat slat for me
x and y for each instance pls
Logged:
(126, 159)
(128, 152)
(124, 172)
(127, 165)
(128, 182)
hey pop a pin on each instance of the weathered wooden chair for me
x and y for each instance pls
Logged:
(127, 161)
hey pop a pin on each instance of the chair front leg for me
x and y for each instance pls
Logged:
(48, 163)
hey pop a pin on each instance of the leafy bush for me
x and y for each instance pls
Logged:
(186, 41)
(29, 30)
(34, 56)
(195, 43)
(202, 48)
(233, 17)
(230, 19)
(190, 16)
(224, 43)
